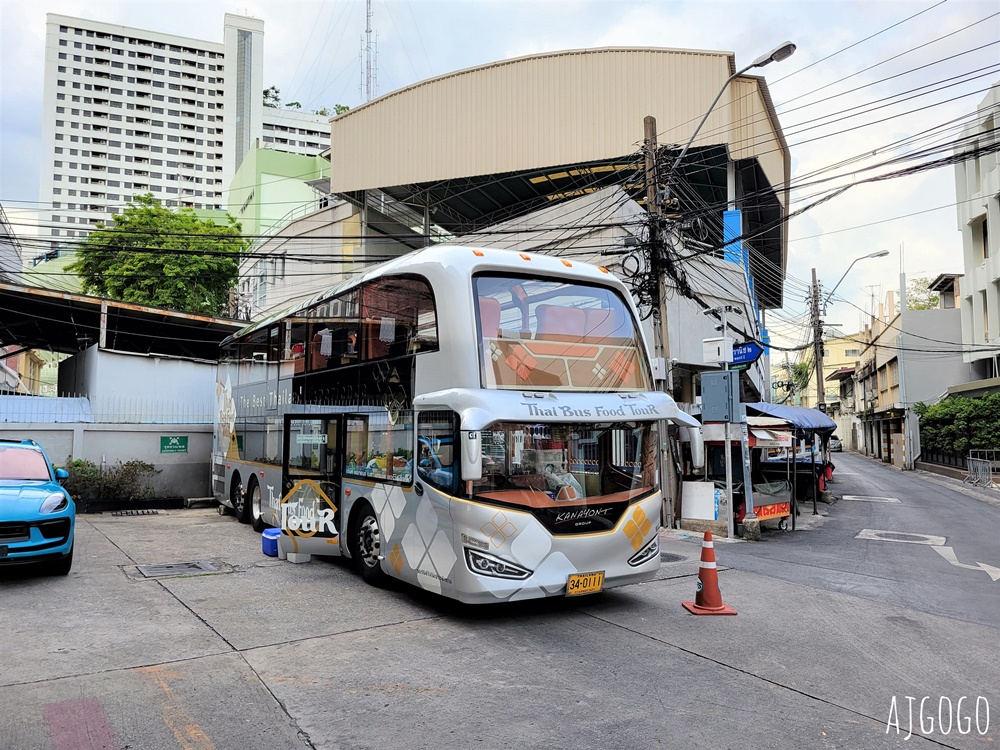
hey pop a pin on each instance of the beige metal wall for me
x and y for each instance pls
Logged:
(546, 110)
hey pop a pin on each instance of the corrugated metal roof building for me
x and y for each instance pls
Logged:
(488, 143)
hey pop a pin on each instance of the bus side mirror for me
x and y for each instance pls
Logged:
(472, 455)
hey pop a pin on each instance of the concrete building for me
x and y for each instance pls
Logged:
(977, 185)
(839, 352)
(129, 111)
(909, 357)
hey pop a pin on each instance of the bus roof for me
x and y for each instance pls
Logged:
(467, 258)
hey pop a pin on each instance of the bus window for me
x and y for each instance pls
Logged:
(379, 449)
(547, 334)
(437, 449)
(397, 318)
(332, 333)
(253, 358)
(293, 354)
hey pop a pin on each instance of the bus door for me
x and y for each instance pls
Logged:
(311, 472)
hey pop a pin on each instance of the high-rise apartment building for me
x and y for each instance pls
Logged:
(129, 111)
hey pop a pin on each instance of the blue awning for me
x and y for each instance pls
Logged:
(801, 417)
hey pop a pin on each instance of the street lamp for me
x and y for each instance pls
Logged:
(778, 54)
(662, 345)
(817, 325)
(877, 254)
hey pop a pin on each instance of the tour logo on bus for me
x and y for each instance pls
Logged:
(307, 511)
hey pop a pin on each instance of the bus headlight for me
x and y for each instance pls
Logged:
(646, 554)
(489, 565)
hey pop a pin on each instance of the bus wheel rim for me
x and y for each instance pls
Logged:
(369, 544)
(255, 502)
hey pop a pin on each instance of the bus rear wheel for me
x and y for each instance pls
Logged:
(366, 545)
(256, 512)
(239, 500)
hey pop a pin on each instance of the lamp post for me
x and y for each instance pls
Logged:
(778, 54)
(877, 254)
(656, 268)
(817, 324)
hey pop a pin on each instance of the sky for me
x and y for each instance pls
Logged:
(846, 51)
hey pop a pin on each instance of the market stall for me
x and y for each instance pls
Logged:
(804, 463)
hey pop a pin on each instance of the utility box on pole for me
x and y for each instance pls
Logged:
(720, 397)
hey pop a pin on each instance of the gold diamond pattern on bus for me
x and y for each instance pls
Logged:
(396, 559)
(499, 530)
(637, 527)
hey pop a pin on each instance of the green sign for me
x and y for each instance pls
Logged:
(173, 443)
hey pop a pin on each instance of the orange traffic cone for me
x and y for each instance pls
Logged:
(708, 600)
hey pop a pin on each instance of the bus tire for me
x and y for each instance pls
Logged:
(239, 500)
(366, 545)
(256, 512)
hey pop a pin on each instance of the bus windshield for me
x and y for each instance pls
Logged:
(545, 334)
(561, 465)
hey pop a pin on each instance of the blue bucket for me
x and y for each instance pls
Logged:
(269, 542)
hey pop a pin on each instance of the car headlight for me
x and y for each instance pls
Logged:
(54, 502)
(489, 565)
(646, 554)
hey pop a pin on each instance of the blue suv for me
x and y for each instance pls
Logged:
(37, 515)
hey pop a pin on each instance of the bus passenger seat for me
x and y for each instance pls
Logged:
(489, 317)
(602, 324)
(558, 323)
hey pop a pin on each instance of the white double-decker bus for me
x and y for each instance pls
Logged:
(476, 422)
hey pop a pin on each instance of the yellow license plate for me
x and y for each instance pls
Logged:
(585, 583)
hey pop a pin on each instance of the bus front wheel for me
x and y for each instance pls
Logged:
(366, 545)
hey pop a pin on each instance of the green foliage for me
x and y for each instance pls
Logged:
(293, 105)
(959, 424)
(272, 96)
(919, 296)
(338, 109)
(124, 481)
(801, 374)
(111, 262)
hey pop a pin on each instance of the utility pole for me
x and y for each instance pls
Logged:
(661, 344)
(817, 326)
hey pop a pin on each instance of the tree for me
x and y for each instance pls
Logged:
(151, 255)
(919, 296)
(801, 374)
(338, 109)
(272, 96)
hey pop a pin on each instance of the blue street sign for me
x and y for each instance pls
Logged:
(747, 353)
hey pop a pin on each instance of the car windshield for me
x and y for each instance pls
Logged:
(544, 465)
(23, 464)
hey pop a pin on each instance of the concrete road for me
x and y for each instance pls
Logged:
(266, 654)
(939, 532)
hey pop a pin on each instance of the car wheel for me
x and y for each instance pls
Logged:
(239, 500)
(366, 545)
(61, 567)
(256, 513)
